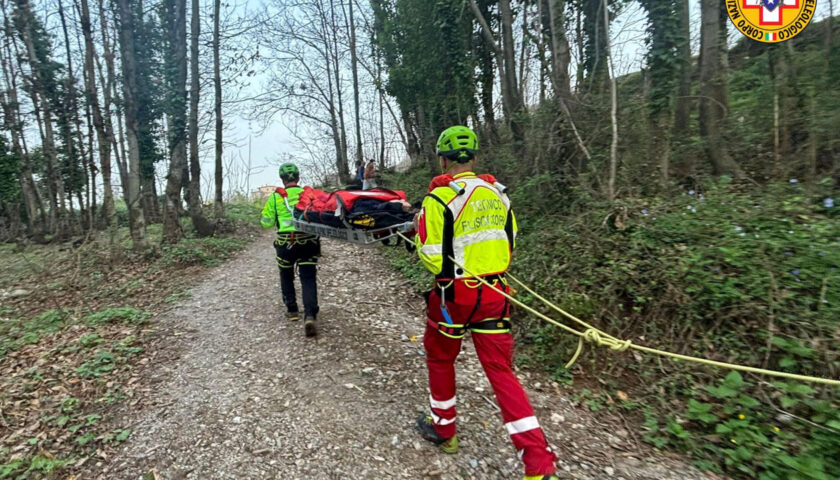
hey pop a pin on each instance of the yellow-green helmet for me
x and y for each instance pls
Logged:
(458, 143)
(289, 172)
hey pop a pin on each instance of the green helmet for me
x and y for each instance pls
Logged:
(289, 172)
(458, 143)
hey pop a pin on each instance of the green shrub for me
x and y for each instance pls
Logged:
(244, 212)
(749, 278)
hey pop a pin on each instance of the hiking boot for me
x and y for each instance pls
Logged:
(309, 326)
(292, 316)
(426, 427)
(550, 476)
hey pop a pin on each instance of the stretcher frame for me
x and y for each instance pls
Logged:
(351, 234)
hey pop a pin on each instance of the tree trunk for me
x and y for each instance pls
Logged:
(122, 155)
(71, 106)
(613, 104)
(43, 113)
(714, 86)
(108, 92)
(201, 225)
(684, 102)
(103, 140)
(509, 54)
(560, 59)
(14, 123)
(560, 54)
(340, 164)
(344, 173)
(581, 74)
(381, 114)
(595, 50)
(137, 221)
(524, 52)
(175, 62)
(506, 63)
(219, 206)
(355, 67)
(487, 77)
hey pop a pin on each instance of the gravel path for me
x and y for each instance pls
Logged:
(234, 392)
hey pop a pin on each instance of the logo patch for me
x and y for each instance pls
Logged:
(771, 21)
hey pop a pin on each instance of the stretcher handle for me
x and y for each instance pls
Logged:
(459, 190)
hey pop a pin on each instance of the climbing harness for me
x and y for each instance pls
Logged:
(492, 325)
(600, 338)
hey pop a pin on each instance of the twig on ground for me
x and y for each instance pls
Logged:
(492, 404)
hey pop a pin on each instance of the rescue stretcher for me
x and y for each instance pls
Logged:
(332, 215)
(354, 234)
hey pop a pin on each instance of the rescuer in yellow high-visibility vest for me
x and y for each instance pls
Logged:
(293, 248)
(467, 217)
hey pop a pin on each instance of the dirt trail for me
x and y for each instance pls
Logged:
(237, 393)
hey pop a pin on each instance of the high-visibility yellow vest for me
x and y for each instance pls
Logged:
(477, 228)
(276, 213)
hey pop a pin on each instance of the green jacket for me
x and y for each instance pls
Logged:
(276, 213)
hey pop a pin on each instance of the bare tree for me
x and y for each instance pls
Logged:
(109, 92)
(219, 206)
(335, 57)
(303, 79)
(354, 63)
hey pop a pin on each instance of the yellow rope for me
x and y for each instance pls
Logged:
(603, 339)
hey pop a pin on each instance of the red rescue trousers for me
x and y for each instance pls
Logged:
(472, 304)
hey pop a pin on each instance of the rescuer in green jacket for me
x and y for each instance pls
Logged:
(293, 248)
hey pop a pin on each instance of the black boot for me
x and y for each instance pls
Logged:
(309, 326)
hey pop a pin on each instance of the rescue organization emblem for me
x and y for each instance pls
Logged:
(771, 21)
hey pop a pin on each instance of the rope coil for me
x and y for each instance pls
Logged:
(601, 338)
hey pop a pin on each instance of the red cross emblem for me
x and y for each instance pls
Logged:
(771, 11)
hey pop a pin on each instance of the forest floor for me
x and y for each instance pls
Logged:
(229, 389)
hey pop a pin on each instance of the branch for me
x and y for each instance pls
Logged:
(486, 33)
